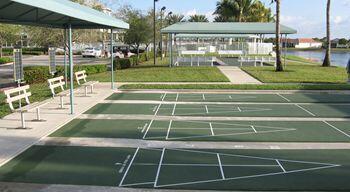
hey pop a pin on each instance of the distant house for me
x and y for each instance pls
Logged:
(302, 43)
(337, 43)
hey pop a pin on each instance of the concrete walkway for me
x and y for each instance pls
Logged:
(14, 141)
(238, 76)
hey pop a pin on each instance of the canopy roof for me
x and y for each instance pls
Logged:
(226, 28)
(56, 13)
(216, 36)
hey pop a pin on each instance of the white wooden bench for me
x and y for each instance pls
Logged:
(55, 83)
(190, 54)
(256, 59)
(230, 52)
(17, 95)
(81, 75)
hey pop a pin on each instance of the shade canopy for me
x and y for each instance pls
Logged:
(225, 28)
(56, 14)
(202, 36)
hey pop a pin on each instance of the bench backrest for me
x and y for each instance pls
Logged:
(230, 52)
(192, 52)
(17, 94)
(80, 75)
(56, 82)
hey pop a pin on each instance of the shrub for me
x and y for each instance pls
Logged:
(4, 60)
(123, 63)
(40, 74)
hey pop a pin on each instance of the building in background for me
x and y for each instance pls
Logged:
(302, 43)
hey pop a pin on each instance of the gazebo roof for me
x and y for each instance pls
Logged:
(56, 14)
(226, 28)
(245, 36)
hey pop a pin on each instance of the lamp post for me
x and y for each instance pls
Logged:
(169, 22)
(161, 36)
(154, 32)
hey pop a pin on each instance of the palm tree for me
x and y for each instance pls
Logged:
(175, 18)
(224, 11)
(242, 11)
(279, 66)
(327, 58)
(198, 18)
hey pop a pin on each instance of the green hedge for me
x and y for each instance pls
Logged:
(4, 60)
(40, 74)
(122, 63)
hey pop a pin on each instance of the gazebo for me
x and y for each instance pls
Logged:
(241, 38)
(62, 14)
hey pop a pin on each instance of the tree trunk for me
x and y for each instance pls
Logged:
(279, 66)
(137, 54)
(327, 59)
(1, 50)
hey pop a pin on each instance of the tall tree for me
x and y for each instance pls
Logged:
(175, 18)
(327, 58)
(9, 34)
(242, 11)
(198, 18)
(279, 66)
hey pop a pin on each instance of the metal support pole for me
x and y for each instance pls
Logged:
(171, 49)
(65, 58)
(71, 71)
(112, 62)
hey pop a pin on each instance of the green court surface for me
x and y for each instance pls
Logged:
(210, 97)
(261, 170)
(225, 110)
(236, 131)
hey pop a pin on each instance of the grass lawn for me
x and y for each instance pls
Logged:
(295, 72)
(164, 74)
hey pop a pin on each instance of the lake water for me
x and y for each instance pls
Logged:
(338, 58)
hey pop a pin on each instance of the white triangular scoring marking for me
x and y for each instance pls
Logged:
(248, 132)
(282, 172)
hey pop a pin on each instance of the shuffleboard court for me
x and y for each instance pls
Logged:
(211, 97)
(235, 131)
(260, 170)
(225, 110)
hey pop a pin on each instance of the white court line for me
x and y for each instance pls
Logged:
(211, 129)
(135, 184)
(206, 109)
(285, 98)
(279, 164)
(202, 165)
(160, 104)
(252, 126)
(203, 96)
(159, 167)
(164, 96)
(177, 97)
(221, 169)
(305, 110)
(149, 126)
(168, 132)
(239, 109)
(127, 170)
(334, 127)
(247, 177)
(174, 108)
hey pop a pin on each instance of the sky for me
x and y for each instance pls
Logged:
(307, 16)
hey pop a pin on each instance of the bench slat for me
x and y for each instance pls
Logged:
(16, 90)
(18, 97)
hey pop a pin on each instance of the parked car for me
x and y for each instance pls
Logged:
(92, 52)
(122, 51)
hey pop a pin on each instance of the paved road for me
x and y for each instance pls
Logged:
(6, 71)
